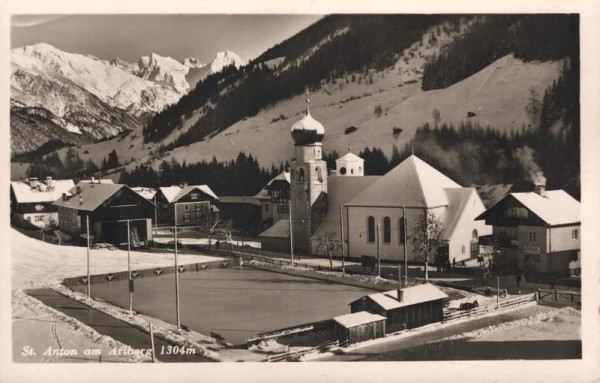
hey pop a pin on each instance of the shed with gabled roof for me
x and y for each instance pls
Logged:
(409, 307)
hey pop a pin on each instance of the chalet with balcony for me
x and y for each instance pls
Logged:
(539, 231)
(185, 205)
(275, 200)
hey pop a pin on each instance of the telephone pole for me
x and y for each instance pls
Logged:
(129, 269)
(378, 252)
(342, 239)
(405, 226)
(176, 274)
(87, 225)
(291, 231)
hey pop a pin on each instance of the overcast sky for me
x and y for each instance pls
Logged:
(178, 36)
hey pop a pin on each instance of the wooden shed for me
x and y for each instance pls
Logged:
(359, 327)
(407, 308)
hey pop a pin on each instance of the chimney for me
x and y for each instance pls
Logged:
(539, 182)
(33, 182)
(64, 196)
(183, 185)
(400, 295)
(80, 200)
(49, 181)
(78, 189)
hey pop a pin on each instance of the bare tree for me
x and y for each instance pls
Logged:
(426, 238)
(329, 243)
(212, 226)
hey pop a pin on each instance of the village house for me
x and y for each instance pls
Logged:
(109, 208)
(31, 200)
(275, 199)
(539, 231)
(185, 205)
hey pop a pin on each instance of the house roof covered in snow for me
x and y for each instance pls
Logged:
(188, 189)
(413, 295)
(357, 319)
(91, 196)
(264, 192)
(280, 229)
(40, 191)
(412, 183)
(174, 193)
(556, 208)
(147, 193)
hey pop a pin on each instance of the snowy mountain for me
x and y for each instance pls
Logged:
(90, 99)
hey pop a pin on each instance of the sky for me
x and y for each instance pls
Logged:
(179, 36)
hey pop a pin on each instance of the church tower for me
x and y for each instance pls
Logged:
(308, 180)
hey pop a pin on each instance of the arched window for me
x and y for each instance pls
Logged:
(463, 249)
(402, 230)
(351, 171)
(371, 229)
(301, 175)
(475, 235)
(319, 174)
(387, 236)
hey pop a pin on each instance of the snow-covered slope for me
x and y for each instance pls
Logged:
(84, 99)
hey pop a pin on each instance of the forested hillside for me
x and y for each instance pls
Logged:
(332, 47)
(528, 37)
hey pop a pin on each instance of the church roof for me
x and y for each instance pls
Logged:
(412, 183)
(350, 157)
(339, 191)
(457, 202)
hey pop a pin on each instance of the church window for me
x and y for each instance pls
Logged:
(475, 234)
(351, 171)
(371, 229)
(301, 175)
(342, 170)
(319, 174)
(387, 230)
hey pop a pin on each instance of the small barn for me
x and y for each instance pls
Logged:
(109, 207)
(359, 327)
(277, 237)
(243, 211)
(406, 308)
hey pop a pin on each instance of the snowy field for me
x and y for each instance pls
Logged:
(40, 262)
(37, 264)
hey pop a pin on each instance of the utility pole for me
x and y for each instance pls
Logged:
(155, 215)
(497, 292)
(87, 226)
(291, 231)
(176, 273)
(378, 252)
(342, 239)
(129, 269)
(405, 225)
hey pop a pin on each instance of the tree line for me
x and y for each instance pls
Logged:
(528, 37)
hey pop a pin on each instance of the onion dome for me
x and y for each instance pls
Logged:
(308, 130)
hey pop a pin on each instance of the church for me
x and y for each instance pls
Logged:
(353, 205)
